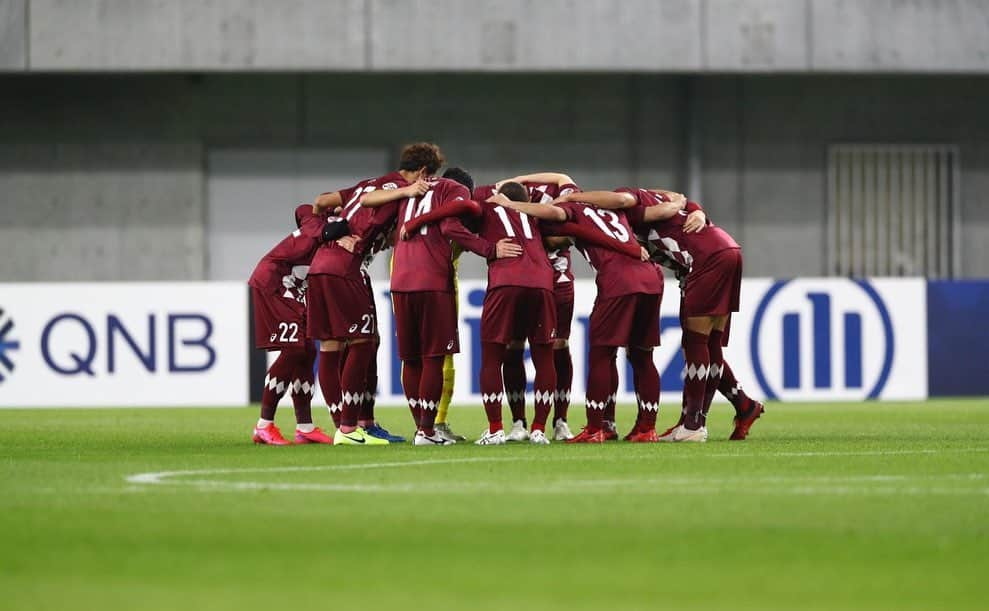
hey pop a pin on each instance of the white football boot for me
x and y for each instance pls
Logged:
(421, 439)
(443, 429)
(681, 433)
(561, 431)
(518, 432)
(538, 438)
(491, 439)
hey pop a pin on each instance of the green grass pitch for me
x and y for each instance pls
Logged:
(842, 506)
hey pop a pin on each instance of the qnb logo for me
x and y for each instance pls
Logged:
(7, 345)
(814, 339)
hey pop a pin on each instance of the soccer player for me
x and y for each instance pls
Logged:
(625, 314)
(710, 261)
(518, 305)
(341, 303)
(278, 296)
(543, 188)
(426, 321)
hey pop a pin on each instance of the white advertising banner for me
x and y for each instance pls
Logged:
(809, 339)
(123, 344)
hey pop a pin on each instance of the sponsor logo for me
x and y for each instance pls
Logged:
(7, 345)
(815, 339)
(353, 328)
(449, 346)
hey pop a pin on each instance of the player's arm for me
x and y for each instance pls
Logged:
(555, 178)
(610, 200)
(459, 207)
(453, 229)
(327, 201)
(539, 211)
(594, 237)
(380, 197)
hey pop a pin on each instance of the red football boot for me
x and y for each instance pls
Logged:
(314, 436)
(745, 420)
(637, 436)
(588, 436)
(269, 435)
(610, 431)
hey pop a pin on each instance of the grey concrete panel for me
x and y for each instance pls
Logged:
(196, 35)
(524, 35)
(13, 35)
(101, 212)
(756, 35)
(900, 35)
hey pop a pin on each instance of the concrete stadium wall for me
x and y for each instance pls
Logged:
(104, 177)
(503, 35)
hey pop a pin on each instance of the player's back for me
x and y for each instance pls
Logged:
(294, 251)
(617, 274)
(532, 268)
(424, 261)
(366, 223)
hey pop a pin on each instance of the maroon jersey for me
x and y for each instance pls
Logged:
(559, 259)
(424, 262)
(532, 269)
(689, 250)
(371, 225)
(617, 274)
(285, 267)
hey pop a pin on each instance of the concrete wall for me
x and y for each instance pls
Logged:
(496, 35)
(104, 177)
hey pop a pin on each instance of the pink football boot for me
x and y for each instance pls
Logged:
(314, 436)
(270, 435)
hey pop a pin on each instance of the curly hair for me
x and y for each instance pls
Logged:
(421, 155)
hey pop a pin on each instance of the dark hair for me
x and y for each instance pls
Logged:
(460, 175)
(514, 191)
(421, 155)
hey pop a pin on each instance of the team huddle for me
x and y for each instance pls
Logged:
(313, 286)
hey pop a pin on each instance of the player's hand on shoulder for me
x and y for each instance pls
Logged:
(643, 253)
(500, 200)
(416, 189)
(696, 221)
(506, 248)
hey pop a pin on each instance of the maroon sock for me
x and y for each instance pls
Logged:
(731, 389)
(492, 387)
(353, 380)
(411, 374)
(303, 384)
(370, 390)
(513, 369)
(276, 382)
(545, 384)
(697, 362)
(564, 382)
(714, 372)
(329, 383)
(599, 359)
(430, 391)
(646, 387)
(609, 408)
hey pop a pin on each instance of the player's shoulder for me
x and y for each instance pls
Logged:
(449, 188)
(483, 192)
(392, 180)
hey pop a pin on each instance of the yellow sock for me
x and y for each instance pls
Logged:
(448, 376)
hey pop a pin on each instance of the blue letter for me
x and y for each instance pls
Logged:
(113, 325)
(80, 364)
(202, 341)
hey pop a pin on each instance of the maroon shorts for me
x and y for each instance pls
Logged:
(629, 320)
(279, 322)
(564, 313)
(340, 308)
(426, 324)
(713, 290)
(518, 313)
